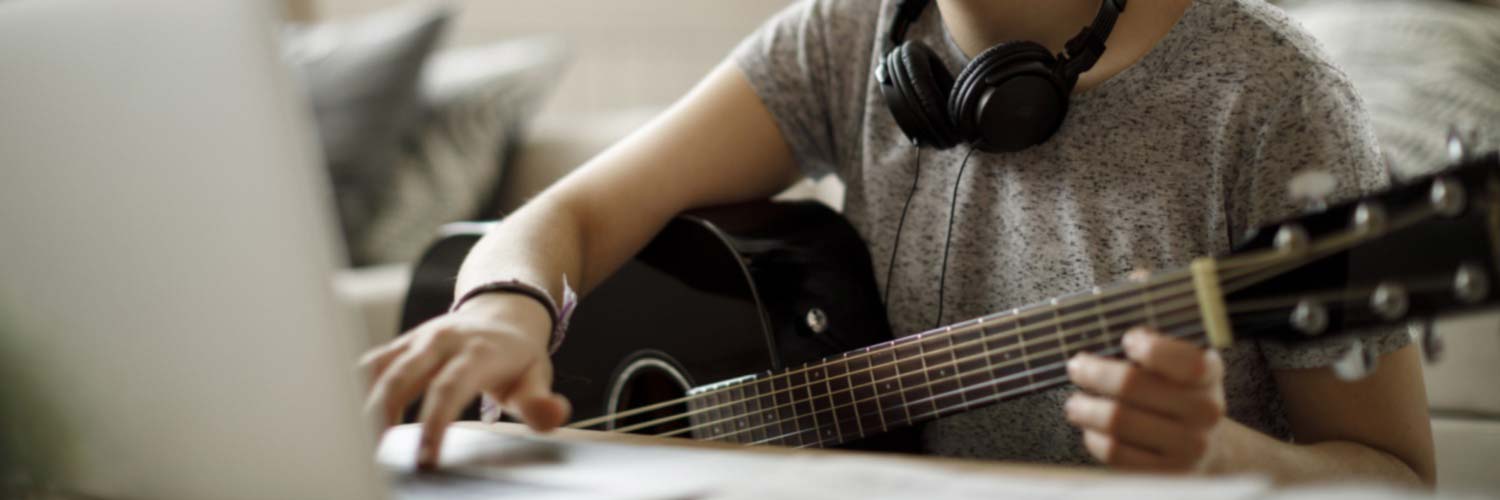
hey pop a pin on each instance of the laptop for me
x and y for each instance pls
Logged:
(167, 323)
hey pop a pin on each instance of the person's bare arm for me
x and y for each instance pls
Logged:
(1375, 427)
(1162, 409)
(718, 145)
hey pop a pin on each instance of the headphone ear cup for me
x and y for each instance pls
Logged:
(1009, 98)
(916, 86)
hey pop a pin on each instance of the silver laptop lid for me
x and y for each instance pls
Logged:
(166, 244)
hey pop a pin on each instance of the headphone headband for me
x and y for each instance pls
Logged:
(1083, 50)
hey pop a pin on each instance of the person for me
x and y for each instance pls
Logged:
(1180, 138)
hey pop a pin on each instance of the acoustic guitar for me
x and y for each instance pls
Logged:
(761, 323)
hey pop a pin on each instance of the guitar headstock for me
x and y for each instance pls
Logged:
(1427, 248)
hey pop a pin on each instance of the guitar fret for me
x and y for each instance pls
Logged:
(1007, 355)
(975, 367)
(1057, 325)
(951, 371)
(738, 413)
(1104, 335)
(863, 380)
(1040, 341)
(806, 407)
(828, 423)
(1150, 305)
(892, 393)
(1078, 326)
(913, 377)
(839, 391)
(786, 412)
(946, 390)
(757, 425)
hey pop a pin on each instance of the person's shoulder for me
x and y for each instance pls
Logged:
(1274, 50)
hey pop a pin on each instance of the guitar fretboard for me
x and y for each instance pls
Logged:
(948, 370)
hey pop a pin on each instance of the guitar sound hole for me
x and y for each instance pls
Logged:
(648, 386)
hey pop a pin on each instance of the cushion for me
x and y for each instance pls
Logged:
(477, 101)
(1421, 67)
(362, 78)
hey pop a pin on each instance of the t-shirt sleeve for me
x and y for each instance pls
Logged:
(1320, 125)
(787, 63)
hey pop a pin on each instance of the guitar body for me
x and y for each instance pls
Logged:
(778, 284)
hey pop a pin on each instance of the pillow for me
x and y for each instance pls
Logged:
(478, 101)
(362, 77)
(1421, 67)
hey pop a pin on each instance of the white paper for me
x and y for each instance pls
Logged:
(481, 464)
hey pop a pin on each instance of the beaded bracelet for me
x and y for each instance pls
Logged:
(558, 315)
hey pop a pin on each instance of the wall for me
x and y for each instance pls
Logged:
(627, 54)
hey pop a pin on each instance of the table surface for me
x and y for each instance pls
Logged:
(957, 465)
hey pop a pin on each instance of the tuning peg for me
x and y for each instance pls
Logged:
(1312, 188)
(1470, 284)
(1432, 343)
(1458, 145)
(1356, 363)
(1389, 301)
(1368, 218)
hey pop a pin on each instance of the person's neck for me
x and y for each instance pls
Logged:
(976, 25)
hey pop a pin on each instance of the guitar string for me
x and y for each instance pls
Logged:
(1017, 315)
(1179, 320)
(1024, 360)
(1173, 306)
(1332, 244)
(938, 412)
(1020, 331)
(954, 346)
(1287, 302)
(1109, 350)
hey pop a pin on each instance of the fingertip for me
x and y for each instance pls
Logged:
(543, 414)
(1077, 363)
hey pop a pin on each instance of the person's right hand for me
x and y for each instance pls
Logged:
(495, 344)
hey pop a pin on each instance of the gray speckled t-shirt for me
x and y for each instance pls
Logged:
(1167, 161)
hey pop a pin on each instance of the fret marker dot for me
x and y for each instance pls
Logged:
(741, 423)
(768, 416)
(942, 372)
(887, 387)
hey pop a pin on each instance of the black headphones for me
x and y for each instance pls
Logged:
(1012, 96)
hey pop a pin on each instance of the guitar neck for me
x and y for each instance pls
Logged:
(944, 371)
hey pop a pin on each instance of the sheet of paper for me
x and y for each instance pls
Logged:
(480, 464)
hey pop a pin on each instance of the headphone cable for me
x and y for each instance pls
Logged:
(885, 295)
(948, 239)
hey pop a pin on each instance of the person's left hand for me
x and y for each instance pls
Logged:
(1160, 409)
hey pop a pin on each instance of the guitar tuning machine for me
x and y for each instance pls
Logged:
(1369, 218)
(1310, 317)
(1356, 363)
(1470, 284)
(1389, 301)
(1432, 343)
(1291, 238)
(1459, 149)
(1447, 196)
